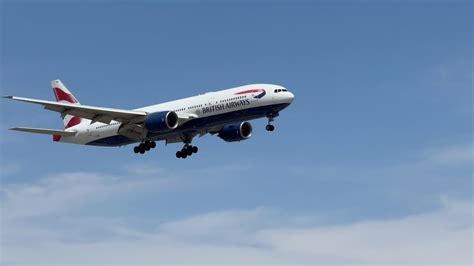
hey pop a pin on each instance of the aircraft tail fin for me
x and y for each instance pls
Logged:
(62, 94)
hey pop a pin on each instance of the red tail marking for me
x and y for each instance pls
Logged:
(75, 120)
(63, 96)
(56, 138)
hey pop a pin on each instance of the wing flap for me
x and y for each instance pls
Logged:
(44, 131)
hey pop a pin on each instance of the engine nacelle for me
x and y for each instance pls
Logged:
(236, 132)
(161, 121)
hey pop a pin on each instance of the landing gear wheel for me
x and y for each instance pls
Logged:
(189, 150)
(270, 127)
(141, 148)
(144, 147)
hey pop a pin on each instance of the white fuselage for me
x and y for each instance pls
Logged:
(203, 112)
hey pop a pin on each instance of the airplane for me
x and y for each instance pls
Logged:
(223, 113)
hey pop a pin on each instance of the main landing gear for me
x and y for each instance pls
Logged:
(186, 151)
(144, 147)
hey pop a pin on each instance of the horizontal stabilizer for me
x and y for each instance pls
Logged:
(45, 131)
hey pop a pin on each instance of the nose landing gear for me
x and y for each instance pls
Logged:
(144, 147)
(186, 151)
(271, 118)
(270, 127)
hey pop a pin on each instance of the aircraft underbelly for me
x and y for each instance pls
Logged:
(198, 124)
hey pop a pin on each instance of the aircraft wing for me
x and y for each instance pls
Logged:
(183, 118)
(96, 114)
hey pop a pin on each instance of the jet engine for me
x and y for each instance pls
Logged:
(236, 132)
(161, 121)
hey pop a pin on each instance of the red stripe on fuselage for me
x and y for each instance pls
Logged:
(251, 91)
(63, 96)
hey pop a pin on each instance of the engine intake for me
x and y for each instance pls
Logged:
(236, 132)
(161, 121)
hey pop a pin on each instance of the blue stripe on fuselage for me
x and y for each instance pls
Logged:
(198, 124)
(260, 95)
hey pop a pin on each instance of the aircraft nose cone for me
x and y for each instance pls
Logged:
(291, 96)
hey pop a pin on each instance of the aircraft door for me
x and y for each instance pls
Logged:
(211, 101)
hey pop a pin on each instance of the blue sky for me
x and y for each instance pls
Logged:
(377, 146)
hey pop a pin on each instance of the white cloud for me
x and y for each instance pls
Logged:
(442, 237)
(62, 192)
(453, 155)
(246, 236)
(221, 227)
(145, 170)
(9, 169)
(40, 226)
